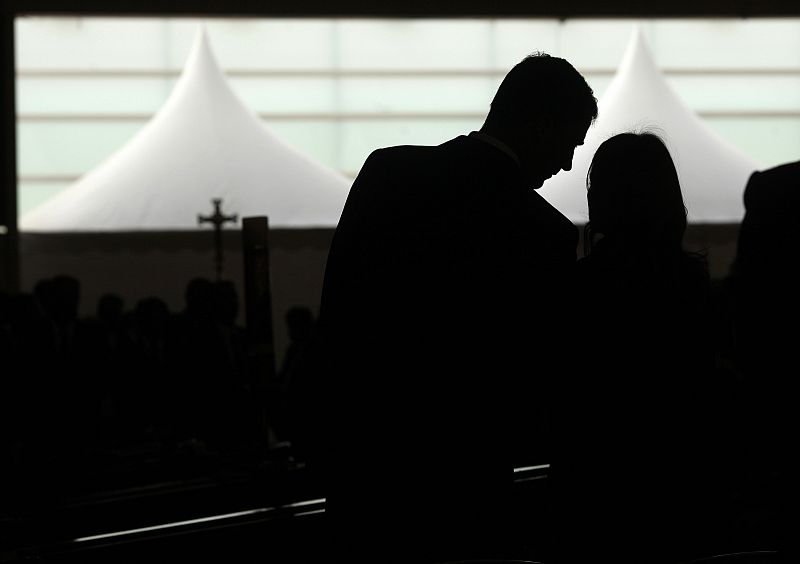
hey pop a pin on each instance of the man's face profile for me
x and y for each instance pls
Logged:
(551, 150)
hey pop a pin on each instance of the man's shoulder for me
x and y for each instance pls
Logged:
(402, 161)
(396, 153)
(784, 173)
(791, 169)
(421, 151)
(777, 183)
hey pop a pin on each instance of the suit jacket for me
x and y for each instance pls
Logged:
(767, 301)
(438, 309)
(767, 309)
(765, 271)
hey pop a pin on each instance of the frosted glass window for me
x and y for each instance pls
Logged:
(770, 141)
(515, 39)
(596, 44)
(69, 148)
(739, 93)
(437, 44)
(287, 94)
(319, 140)
(254, 44)
(91, 43)
(32, 193)
(728, 43)
(424, 94)
(337, 89)
(86, 94)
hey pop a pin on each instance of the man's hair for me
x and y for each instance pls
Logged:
(542, 87)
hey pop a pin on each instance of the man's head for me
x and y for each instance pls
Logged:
(542, 110)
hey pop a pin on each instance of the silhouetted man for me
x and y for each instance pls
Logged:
(764, 277)
(764, 280)
(440, 315)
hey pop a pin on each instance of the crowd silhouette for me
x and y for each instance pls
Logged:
(459, 336)
(91, 395)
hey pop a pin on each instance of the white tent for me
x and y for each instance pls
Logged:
(203, 144)
(712, 172)
(130, 226)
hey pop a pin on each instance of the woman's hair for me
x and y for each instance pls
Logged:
(634, 194)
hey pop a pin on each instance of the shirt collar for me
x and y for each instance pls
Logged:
(486, 138)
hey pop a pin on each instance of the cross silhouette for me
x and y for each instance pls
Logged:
(217, 219)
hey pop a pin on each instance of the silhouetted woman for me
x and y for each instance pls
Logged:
(633, 433)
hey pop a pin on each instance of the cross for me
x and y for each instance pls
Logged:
(218, 219)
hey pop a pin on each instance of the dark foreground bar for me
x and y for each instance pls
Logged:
(277, 515)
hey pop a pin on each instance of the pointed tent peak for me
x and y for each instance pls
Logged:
(202, 82)
(637, 38)
(201, 35)
(638, 81)
(638, 59)
(201, 70)
(201, 46)
(201, 55)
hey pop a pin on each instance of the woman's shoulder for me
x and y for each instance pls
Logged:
(645, 270)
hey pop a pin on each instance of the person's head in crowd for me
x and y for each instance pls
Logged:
(225, 302)
(110, 309)
(151, 316)
(59, 297)
(198, 296)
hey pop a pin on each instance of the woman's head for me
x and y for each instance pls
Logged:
(634, 193)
